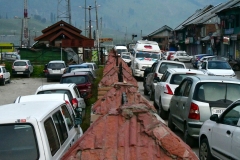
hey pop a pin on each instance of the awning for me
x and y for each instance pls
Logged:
(205, 38)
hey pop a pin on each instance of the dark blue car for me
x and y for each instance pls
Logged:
(197, 57)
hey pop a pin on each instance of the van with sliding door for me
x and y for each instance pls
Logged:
(42, 130)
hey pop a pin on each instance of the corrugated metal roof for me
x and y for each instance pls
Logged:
(128, 131)
(165, 27)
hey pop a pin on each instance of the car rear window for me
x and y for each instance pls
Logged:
(57, 91)
(217, 92)
(177, 78)
(218, 65)
(18, 141)
(56, 65)
(20, 64)
(164, 66)
(74, 79)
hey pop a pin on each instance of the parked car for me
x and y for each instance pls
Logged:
(89, 70)
(55, 70)
(10, 56)
(158, 68)
(217, 68)
(196, 99)
(37, 130)
(166, 86)
(83, 80)
(22, 67)
(197, 57)
(4, 76)
(91, 65)
(70, 68)
(219, 135)
(205, 58)
(181, 56)
(126, 57)
(70, 89)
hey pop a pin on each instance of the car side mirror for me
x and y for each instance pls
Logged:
(214, 117)
(83, 95)
(78, 117)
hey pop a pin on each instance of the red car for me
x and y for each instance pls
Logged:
(83, 80)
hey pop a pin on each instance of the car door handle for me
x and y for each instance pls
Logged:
(176, 104)
(228, 132)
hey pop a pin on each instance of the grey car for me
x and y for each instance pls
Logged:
(55, 70)
(22, 67)
(196, 99)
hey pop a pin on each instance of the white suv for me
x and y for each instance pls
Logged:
(219, 135)
(70, 89)
(55, 70)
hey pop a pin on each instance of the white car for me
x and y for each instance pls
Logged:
(205, 58)
(219, 135)
(91, 65)
(4, 76)
(157, 70)
(126, 56)
(165, 88)
(181, 56)
(70, 89)
(217, 68)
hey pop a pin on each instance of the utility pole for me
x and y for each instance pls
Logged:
(90, 31)
(85, 20)
(97, 34)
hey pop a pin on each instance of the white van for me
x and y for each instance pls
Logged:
(42, 130)
(119, 49)
(145, 53)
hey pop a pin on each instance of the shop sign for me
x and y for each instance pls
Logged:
(233, 37)
(229, 31)
(226, 40)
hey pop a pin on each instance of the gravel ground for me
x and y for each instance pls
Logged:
(20, 87)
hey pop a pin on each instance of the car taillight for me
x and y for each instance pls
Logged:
(194, 112)
(168, 90)
(12, 67)
(75, 102)
(26, 66)
(155, 75)
(172, 56)
(1, 76)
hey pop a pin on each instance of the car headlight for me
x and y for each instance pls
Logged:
(137, 66)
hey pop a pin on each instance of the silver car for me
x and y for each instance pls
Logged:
(196, 99)
(22, 67)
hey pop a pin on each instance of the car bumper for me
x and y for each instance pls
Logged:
(138, 73)
(166, 98)
(194, 128)
(54, 76)
(20, 72)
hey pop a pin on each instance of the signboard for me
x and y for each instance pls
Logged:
(226, 40)
(105, 40)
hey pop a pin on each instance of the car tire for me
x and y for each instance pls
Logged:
(155, 104)
(190, 60)
(28, 75)
(151, 95)
(187, 138)
(9, 80)
(163, 114)
(145, 91)
(204, 150)
(236, 67)
(170, 123)
(4, 82)
(48, 80)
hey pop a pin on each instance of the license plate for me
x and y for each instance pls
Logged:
(19, 72)
(56, 71)
(218, 111)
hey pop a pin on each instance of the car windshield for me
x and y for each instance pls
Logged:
(57, 91)
(164, 66)
(18, 141)
(20, 64)
(217, 92)
(74, 79)
(56, 65)
(218, 65)
(126, 57)
(147, 55)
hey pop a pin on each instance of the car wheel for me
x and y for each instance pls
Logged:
(28, 75)
(190, 60)
(187, 138)
(204, 150)
(151, 95)
(155, 104)
(4, 82)
(9, 80)
(170, 123)
(145, 91)
(175, 59)
(236, 67)
(48, 80)
(163, 114)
